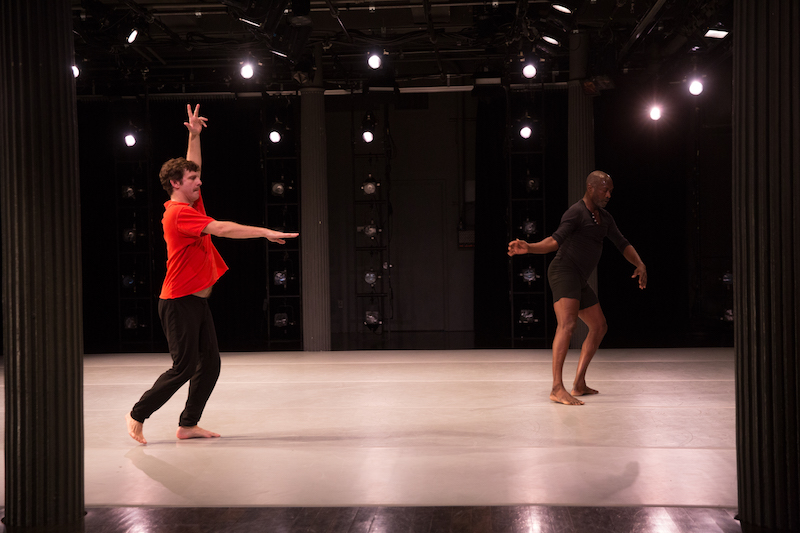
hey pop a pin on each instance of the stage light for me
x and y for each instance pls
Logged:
(716, 33)
(374, 60)
(550, 39)
(370, 185)
(277, 132)
(129, 235)
(128, 281)
(281, 320)
(279, 278)
(132, 35)
(567, 6)
(131, 322)
(370, 230)
(247, 71)
(368, 127)
(696, 87)
(529, 227)
(526, 317)
(278, 188)
(76, 71)
(129, 193)
(532, 184)
(655, 112)
(371, 277)
(130, 140)
(526, 126)
(529, 275)
(372, 319)
(529, 70)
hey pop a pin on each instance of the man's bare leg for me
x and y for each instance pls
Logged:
(135, 429)
(596, 321)
(566, 315)
(194, 432)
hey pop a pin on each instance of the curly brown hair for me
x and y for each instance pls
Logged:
(173, 170)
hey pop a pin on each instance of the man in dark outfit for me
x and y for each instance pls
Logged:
(193, 267)
(579, 241)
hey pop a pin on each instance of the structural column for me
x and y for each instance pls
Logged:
(42, 316)
(580, 142)
(314, 214)
(766, 260)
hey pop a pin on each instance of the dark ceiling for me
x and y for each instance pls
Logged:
(427, 44)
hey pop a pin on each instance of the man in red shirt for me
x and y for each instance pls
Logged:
(193, 266)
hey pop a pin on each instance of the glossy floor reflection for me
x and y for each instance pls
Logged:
(374, 431)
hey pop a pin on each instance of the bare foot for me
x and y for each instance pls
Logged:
(579, 389)
(135, 429)
(560, 395)
(194, 432)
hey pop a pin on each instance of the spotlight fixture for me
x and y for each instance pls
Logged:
(526, 317)
(132, 35)
(528, 227)
(370, 230)
(529, 70)
(371, 277)
(567, 6)
(130, 140)
(370, 185)
(278, 188)
(279, 278)
(695, 86)
(247, 71)
(372, 319)
(129, 235)
(368, 127)
(128, 281)
(716, 33)
(529, 275)
(551, 39)
(375, 60)
(281, 320)
(526, 126)
(131, 322)
(76, 71)
(655, 112)
(128, 192)
(277, 132)
(532, 184)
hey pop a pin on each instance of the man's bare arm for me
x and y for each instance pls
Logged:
(232, 230)
(195, 125)
(633, 258)
(545, 246)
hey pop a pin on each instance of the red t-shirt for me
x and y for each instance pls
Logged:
(193, 262)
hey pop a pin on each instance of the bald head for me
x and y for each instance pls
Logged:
(598, 190)
(597, 178)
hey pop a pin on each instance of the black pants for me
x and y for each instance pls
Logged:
(192, 339)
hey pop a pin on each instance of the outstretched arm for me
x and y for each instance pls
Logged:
(232, 230)
(634, 259)
(195, 126)
(545, 246)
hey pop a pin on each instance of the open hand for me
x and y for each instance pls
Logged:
(279, 236)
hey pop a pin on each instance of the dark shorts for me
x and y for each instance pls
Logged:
(567, 283)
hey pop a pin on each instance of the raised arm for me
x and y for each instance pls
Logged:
(195, 125)
(545, 246)
(232, 230)
(633, 258)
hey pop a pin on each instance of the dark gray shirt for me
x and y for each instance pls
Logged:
(580, 238)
